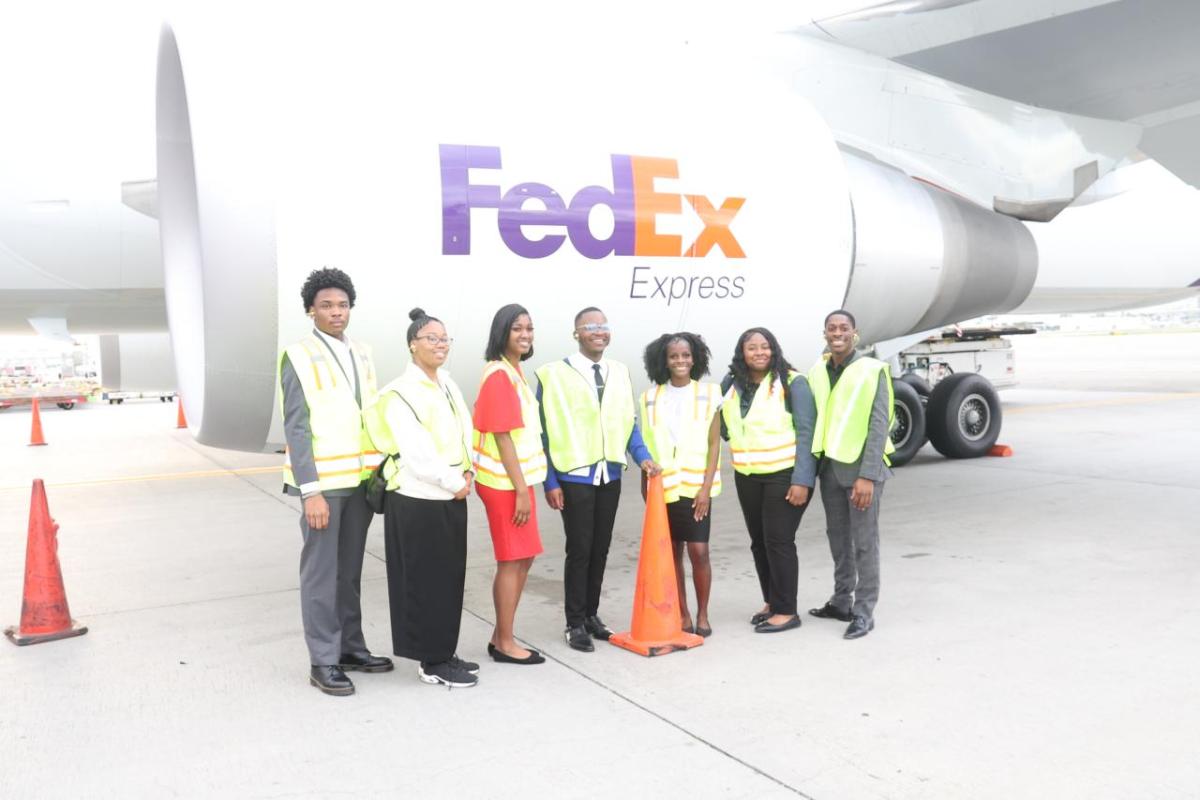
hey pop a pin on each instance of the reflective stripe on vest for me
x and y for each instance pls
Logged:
(685, 462)
(580, 431)
(527, 440)
(844, 414)
(342, 451)
(763, 441)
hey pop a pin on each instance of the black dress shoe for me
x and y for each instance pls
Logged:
(829, 611)
(767, 627)
(859, 628)
(330, 680)
(501, 657)
(760, 617)
(577, 636)
(365, 662)
(597, 628)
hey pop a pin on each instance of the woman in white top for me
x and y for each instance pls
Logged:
(681, 427)
(422, 416)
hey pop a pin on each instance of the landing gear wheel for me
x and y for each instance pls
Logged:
(908, 432)
(920, 384)
(963, 416)
(65, 406)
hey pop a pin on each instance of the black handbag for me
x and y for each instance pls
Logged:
(377, 486)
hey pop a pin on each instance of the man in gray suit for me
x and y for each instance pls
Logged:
(327, 380)
(854, 409)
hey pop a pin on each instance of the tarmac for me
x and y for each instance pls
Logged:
(1038, 631)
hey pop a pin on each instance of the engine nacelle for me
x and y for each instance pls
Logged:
(925, 257)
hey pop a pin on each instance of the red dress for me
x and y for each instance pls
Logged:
(498, 410)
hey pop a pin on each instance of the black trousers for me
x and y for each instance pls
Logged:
(425, 542)
(589, 513)
(772, 522)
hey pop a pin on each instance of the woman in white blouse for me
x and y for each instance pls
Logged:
(682, 429)
(422, 417)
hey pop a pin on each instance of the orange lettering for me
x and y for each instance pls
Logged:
(648, 204)
(716, 227)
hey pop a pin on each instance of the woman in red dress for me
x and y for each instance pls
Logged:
(510, 462)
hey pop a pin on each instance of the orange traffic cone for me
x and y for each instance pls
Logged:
(36, 439)
(44, 612)
(180, 419)
(656, 628)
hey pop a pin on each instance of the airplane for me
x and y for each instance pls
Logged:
(676, 165)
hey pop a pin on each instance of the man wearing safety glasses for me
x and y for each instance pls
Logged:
(588, 425)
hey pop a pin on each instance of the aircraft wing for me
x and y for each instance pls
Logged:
(1131, 61)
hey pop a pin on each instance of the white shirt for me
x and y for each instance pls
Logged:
(674, 406)
(423, 473)
(341, 349)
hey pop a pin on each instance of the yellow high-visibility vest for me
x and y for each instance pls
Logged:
(342, 449)
(580, 431)
(527, 440)
(442, 413)
(763, 441)
(844, 414)
(683, 462)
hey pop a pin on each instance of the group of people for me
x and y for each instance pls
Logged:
(786, 431)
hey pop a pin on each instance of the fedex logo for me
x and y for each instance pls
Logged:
(633, 200)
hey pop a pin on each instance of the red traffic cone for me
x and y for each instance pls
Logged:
(36, 439)
(44, 612)
(656, 629)
(180, 419)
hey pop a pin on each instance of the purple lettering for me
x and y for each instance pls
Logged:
(459, 196)
(620, 200)
(513, 216)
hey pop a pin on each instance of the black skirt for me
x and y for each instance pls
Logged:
(426, 546)
(684, 527)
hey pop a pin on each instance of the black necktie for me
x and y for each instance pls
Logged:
(599, 383)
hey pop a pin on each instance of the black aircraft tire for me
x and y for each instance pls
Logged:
(920, 384)
(908, 431)
(65, 406)
(963, 416)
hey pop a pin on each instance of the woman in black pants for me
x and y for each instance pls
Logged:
(768, 415)
(422, 416)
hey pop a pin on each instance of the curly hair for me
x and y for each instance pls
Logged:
(655, 357)
(326, 278)
(778, 366)
(502, 324)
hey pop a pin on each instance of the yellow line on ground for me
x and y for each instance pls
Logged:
(1112, 401)
(162, 476)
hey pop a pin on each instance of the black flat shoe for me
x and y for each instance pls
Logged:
(501, 657)
(829, 611)
(760, 617)
(365, 662)
(330, 680)
(705, 632)
(766, 627)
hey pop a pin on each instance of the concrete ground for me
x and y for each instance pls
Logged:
(1038, 631)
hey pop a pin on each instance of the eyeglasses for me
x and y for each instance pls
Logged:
(595, 327)
(433, 341)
